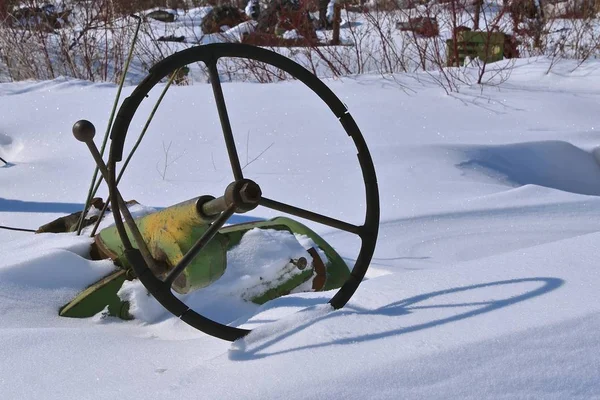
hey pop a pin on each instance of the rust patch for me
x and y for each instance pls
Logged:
(319, 280)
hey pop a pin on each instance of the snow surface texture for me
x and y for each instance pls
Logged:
(484, 283)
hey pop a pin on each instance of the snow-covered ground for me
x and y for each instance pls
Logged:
(484, 283)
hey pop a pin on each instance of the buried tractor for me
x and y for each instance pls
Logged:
(184, 248)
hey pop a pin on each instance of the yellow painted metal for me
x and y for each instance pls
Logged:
(169, 234)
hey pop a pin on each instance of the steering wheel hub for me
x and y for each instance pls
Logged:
(245, 194)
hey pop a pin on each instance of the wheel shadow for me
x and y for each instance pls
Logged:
(398, 309)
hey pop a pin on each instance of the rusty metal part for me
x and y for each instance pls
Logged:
(319, 280)
(69, 223)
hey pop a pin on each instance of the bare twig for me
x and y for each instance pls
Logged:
(167, 162)
(247, 146)
(212, 158)
(258, 156)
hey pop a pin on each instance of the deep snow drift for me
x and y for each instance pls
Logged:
(484, 283)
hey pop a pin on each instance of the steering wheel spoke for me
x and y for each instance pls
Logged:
(215, 81)
(312, 216)
(212, 230)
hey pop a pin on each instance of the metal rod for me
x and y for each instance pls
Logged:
(102, 212)
(299, 212)
(141, 244)
(135, 147)
(88, 200)
(10, 228)
(225, 124)
(214, 207)
(93, 186)
(199, 245)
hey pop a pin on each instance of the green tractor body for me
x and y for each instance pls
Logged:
(170, 233)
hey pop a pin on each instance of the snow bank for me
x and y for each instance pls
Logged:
(9, 148)
(553, 164)
(51, 261)
(41, 273)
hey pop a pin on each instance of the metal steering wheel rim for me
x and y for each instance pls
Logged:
(209, 54)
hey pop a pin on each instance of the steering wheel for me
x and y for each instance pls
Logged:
(242, 194)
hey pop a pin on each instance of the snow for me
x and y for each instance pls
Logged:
(484, 283)
(293, 34)
(261, 261)
(260, 256)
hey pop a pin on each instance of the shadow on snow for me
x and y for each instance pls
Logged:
(398, 309)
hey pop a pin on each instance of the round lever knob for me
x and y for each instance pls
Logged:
(84, 131)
